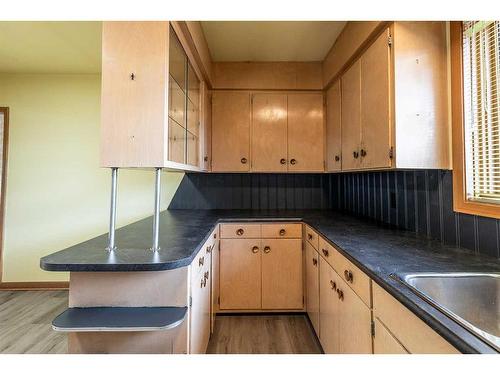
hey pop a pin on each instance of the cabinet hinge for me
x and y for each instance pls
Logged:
(190, 301)
(389, 40)
(372, 325)
(391, 152)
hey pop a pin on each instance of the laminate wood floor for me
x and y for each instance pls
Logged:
(26, 317)
(25, 321)
(263, 334)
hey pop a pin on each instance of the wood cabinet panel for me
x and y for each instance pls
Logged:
(312, 285)
(333, 128)
(351, 117)
(214, 287)
(416, 336)
(327, 252)
(376, 104)
(312, 237)
(282, 286)
(384, 342)
(328, 308)
(231, 131)
(240, 274)
(305, 132)
(200, 308)
(241, 230)
(282, 230)
(269, 132)
(353, 276)
(206, 128)
(354, 322)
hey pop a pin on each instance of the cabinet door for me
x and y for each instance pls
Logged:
(206, 129)
(305, 132)
(282, 286)
(312, 285)
(269, 133)
(354, 322)
(215, 283)
(240, 274)
(333, 128)
(200, 310)
(375, 104)
(328, 308)
(351, 115)
(384, 342)
(230, 131)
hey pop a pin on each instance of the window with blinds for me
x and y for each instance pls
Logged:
(481, 47)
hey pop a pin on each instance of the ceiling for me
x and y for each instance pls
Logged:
(270, 40)
(50, 47)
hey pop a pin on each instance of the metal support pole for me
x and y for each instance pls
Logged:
(112, 210)
(156, 217)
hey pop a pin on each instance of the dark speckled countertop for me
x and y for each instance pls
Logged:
(377, 250)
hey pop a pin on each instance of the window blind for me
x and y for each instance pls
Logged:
(481, 46)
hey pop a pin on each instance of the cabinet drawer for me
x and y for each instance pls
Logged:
(354, 277)
(416, 336)
(312, 237)
(240, 231)
(202, 258)
(327, 251)
(285, 230)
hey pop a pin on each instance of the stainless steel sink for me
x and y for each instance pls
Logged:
(471, 299)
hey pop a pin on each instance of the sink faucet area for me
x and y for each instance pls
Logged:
(471, 299)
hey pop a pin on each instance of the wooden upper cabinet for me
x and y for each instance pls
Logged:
(351, 117)
(305, 132)
(269, 132)
(333, 128)
(282, 286)
(231, 131)
(134, 94)
(375, 104)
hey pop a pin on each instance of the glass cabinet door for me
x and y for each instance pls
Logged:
(193, 117)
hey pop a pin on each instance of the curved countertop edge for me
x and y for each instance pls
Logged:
(458, 336)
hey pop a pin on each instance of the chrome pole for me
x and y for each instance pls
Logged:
(112, 211)
(156, 217)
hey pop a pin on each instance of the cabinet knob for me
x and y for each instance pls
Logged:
(310, 236)
(293, 161)
(333, 284)
(267, 249)
(282, 232)
(340, 294)
(206, 275)
(283, 161)
(201, 262)
(240, 232)
(132, 76)
(325, 252)
(315, 262)
(363, 153)
(255, 249)
(243, 160)
(348, 276)
(355, 154)
(209, 249)
(337, 158)
(205, 158)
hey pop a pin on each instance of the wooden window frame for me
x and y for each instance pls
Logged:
(460, 201)
(3, 192)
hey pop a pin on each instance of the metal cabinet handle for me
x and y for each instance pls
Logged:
(201, 261)
(207, 274)
(325, 252)
(283, 161)
(267, 249)
(282, 232)
(337, 158)
(340, 294)
(209, 249)
(255, 249)
(363, 153)
(240, 232)
(349, 276)
(293, 161)
(333, 284)
(244, 160)
(315, 262)
(310, 236)
(355, 154)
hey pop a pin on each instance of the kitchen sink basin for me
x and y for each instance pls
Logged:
(471, 299)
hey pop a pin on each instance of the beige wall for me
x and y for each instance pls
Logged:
(57, 196)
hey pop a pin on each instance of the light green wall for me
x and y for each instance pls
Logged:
(57, 196)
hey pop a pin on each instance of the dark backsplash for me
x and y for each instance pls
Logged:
(416, 200)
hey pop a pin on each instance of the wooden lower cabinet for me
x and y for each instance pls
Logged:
(240, 274)
(200, 317)
(328, 308)
(214, 287)
(384, 342)
(282, 286)
(312, 285)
